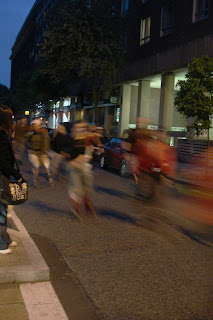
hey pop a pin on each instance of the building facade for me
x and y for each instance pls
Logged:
(162, 37)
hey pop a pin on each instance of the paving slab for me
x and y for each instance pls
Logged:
(11, 303)
(13, 312)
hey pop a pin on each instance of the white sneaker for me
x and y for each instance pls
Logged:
(13, 244)
(5, 251)
(10, 212)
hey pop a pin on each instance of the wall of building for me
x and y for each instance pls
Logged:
(183, 27)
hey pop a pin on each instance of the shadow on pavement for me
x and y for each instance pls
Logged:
(196, 237)
(155, 224)
(117, 215)
(113, 192)
(45, 207)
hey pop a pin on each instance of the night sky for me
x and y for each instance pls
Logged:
(12, 16)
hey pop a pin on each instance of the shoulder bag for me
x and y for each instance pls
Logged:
(13, 192)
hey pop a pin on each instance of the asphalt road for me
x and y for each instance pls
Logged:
(139, 260)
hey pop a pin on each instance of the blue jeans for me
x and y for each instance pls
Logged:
(4, 236)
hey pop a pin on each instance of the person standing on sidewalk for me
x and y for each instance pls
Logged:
(7, 169)
(38, 148)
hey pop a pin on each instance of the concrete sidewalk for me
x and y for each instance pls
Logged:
(25, 289)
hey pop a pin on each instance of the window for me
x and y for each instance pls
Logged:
(200, 10)
(145, 31)
(124, 6)
(166, 20)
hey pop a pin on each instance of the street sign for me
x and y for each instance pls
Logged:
(115, 100)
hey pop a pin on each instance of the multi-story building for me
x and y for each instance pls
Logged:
(25, 57)
(162, 37)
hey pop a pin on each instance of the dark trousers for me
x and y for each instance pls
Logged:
(4, 236)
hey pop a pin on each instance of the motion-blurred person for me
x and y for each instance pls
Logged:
(198, 173)
(90, 140)
(20, 140)
(95, 139)
(44, 129)
(151, 158)
(58, 142)
(38, 148)
(80, 177)
(7, 169)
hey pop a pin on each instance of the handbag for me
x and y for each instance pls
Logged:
(13, 192)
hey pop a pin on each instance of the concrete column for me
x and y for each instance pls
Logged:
(143, 99)
(125, 108)
(166, 101)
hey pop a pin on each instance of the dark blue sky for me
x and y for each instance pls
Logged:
(12, 16)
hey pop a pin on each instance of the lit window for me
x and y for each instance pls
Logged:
(124, 6)
(145, 31)
(200, 10)
(166, 20)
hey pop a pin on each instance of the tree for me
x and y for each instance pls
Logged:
(34, 88)
(45, 89)
(24, 92)
(195, 98)
(85, 42)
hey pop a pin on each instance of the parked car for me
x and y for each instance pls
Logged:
(113, 155)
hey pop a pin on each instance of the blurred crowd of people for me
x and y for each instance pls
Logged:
(148, 156)
(75, 150)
